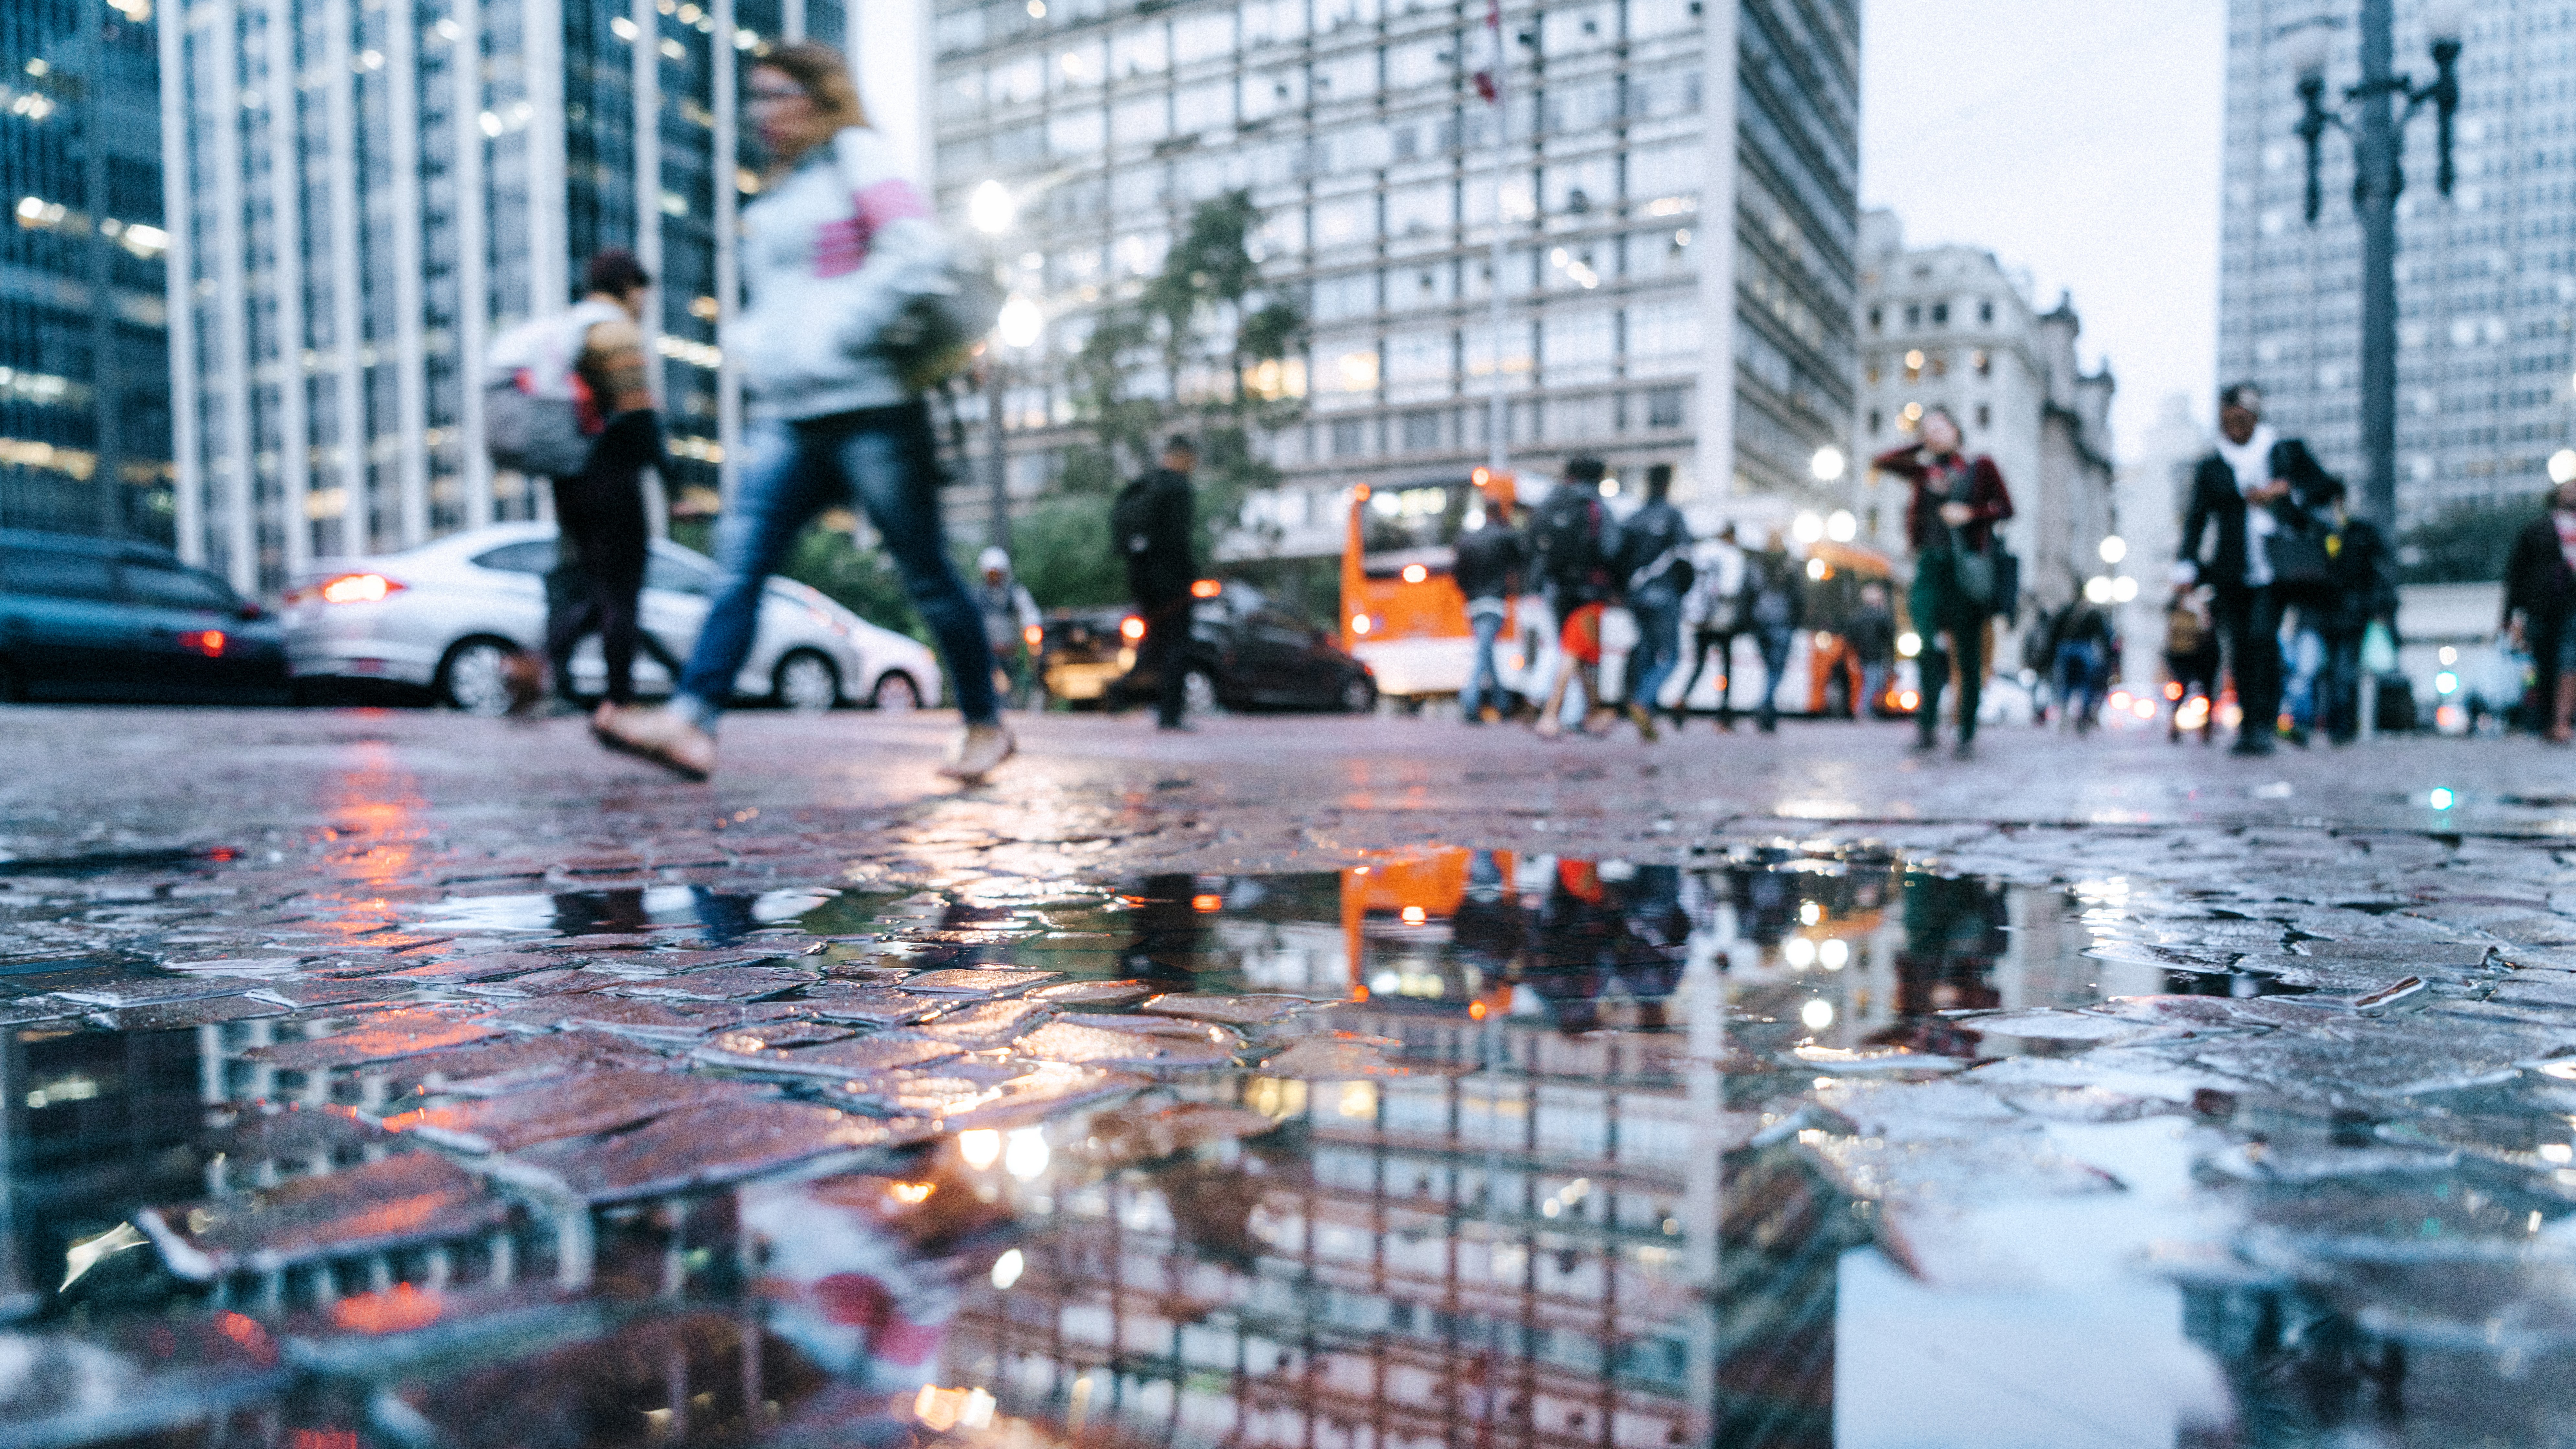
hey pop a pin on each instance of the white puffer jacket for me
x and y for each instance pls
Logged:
(830, 256)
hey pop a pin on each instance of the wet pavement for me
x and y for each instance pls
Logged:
(402, 1079)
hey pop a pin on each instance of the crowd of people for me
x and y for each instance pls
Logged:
(2278, 589)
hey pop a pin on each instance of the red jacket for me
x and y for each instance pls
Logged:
(1987, 497)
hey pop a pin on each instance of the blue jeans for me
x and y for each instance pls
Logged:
(884, 460)
(2079, 683)
(1484, 681)
(1658, 612)
(2306, 655)
(1774, 643)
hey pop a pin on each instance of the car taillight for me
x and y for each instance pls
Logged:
(1033, 636)
(209, 642)
(347, 589)
(1131, 629)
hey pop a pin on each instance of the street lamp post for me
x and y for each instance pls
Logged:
(1019, 328)
(992, 210)
(2378, 178)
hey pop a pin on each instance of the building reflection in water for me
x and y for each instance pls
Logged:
(1521, 1242)
(1552, 1212)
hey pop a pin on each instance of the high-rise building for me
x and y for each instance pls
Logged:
(84, 375)
(363, 202)
(1676, 290)
(1950, 327)
(2486, 280)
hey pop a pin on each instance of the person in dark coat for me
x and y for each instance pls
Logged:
(2539, 601)
(1654, 570)
(1154, 521)
(1572, 544)
(2251, 487)
(1775, 606)
(1957, 502)
(2361, 589)
(1491, 559)
(1872, 636)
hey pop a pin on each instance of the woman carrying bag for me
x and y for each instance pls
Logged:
(840, 256)
(1951, 524)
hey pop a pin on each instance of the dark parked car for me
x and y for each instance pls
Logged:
(1244, 654)
(102, 619)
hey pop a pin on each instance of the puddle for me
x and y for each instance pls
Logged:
(1793, 1147)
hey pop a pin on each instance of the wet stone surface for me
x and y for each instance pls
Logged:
(1268, 1098)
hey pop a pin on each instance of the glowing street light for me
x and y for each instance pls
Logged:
(1809, 527)
(1840, 526)
(2562, 465)
(990, 209)
(1827, 465)
(2114, 549)
(1021, 323)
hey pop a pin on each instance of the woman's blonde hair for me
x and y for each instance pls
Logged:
(823, 74)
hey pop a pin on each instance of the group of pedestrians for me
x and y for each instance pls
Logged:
(2283, 548)
(839, 254)
(1684, 595)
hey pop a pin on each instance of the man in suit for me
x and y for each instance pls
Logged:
(2252, 487)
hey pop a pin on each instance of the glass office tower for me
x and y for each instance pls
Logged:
(84, 373)
(370, 192)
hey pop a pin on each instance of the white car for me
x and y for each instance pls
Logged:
(447, 615)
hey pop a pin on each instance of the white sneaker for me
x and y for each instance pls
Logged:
(978, 752)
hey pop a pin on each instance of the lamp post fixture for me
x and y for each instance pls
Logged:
(2378, 176)
(993, 211)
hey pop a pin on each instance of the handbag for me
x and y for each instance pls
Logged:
(1973, 570)
(2378, 650)
(2298, 558)
(949, 306)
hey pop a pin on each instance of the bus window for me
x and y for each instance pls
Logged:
(1428, 516)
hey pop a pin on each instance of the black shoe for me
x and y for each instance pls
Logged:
(2252, 746)
(1923, 745)
(2296, 736)
(1177, 727)
(1964, 750)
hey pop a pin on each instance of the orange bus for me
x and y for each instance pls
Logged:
(1402, 613)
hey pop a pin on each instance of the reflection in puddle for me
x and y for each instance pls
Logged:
(1798, 1147)
(721, 916)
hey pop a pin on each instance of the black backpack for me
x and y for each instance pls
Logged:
(1569, 536)
(1131, 519)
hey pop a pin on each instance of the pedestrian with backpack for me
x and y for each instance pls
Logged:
(1950, 521)
(1154, 523)
(856, 302)
(573, 404)
(1655, 569)
(1775, 606)
(1713, 611)
(1574, 546)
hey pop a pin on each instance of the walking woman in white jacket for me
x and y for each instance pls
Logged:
(833, 251)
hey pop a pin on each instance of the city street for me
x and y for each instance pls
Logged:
(1775, 1090)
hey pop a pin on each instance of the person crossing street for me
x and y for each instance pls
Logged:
(1154, 522)
(1950, 521)
(1654, 566)
(838, 251)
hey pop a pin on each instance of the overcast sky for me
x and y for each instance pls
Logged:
(2078, 139)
